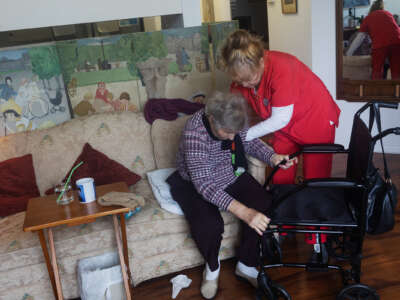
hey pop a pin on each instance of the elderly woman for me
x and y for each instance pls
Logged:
(212, 175)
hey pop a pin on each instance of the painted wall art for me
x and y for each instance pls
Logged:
(46, 85)
(32, 93)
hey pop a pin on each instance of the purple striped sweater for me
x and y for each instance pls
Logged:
(201, 160)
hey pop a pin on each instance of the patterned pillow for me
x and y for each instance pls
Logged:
(17, 184)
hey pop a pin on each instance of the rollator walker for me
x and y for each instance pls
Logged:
(336, 207)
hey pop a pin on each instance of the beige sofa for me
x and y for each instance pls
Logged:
(159, 242)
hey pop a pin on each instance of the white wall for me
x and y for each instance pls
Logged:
(310, 35)
(191, 10)
(22, 14)
(222, 10)
(291, 33)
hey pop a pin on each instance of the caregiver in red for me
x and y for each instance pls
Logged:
(384, 32)
(292, 101)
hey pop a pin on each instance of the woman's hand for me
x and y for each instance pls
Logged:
(250, 216)
(277, 158)
(256, 220)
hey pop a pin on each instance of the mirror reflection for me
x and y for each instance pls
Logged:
(371, 39)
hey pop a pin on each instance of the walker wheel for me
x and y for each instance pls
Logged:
(357, 291)
(278, 293)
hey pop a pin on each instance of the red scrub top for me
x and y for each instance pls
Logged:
(286, 81)
(382, 28)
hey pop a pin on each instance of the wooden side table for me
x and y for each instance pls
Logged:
(43, 213)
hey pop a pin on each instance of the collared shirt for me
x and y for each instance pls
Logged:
(201, 160)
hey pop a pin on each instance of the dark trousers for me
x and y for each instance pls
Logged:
(205, 221)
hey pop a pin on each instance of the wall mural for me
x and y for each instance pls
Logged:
(32, 93)
(103, 74)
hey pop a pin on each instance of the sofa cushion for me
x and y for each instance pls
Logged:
(123, 137)
(100, 167)
(166, 136)
(17, 184)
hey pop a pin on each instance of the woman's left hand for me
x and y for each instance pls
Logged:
(277, 158)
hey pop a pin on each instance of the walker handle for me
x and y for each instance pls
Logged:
(393, 105)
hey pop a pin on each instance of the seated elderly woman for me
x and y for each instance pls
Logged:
(212, 175)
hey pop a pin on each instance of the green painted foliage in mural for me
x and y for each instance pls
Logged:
(173, 68)
(67, 56)
(45, 62)
(145, 45)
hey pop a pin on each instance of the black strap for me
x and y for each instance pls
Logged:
(377, 114)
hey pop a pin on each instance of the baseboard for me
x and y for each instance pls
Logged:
(388, 149)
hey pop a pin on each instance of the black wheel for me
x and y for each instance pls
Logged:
(357, 292)
(273, 292)
(280, 292)
(341, 247)
(272, 249)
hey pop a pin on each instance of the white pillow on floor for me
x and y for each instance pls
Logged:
(161, 190)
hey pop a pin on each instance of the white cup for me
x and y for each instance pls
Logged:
(87, 191)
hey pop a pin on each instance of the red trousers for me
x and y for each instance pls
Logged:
(314, 165)
(392, 53)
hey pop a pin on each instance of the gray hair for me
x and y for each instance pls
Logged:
(228, 111)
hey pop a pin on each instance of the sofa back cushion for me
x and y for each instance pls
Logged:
(123, 137)
(166, 136)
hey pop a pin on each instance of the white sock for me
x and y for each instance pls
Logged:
(212, 275)
(249, 271)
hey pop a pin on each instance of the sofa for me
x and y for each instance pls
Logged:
(159, 241)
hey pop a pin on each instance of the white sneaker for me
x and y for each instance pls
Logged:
(209, 288)
(242, 276)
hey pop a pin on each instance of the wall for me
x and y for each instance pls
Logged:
(23, 14)
(222, 10)
(291, 32)
(310, 35)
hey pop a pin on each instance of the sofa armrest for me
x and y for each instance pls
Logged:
(256, 168)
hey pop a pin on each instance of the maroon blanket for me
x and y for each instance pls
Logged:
(168, 109)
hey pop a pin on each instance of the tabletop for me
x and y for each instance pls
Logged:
(44, 212)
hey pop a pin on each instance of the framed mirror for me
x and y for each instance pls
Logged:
(354, 66)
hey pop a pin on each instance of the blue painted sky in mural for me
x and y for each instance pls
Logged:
(12, 54)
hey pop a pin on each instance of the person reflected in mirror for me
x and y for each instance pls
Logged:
(384, 32)
(212, 176)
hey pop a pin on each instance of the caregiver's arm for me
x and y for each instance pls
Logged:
(280, 117)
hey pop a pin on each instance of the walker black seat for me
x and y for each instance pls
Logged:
(312, 206)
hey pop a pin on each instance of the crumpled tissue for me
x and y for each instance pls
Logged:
(179, 282)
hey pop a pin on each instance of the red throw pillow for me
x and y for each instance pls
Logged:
(17, 184)
(100, 167)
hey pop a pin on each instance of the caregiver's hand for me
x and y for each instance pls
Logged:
(277, 158)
